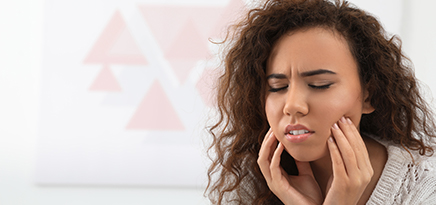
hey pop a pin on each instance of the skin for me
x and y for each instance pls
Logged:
(313, 81)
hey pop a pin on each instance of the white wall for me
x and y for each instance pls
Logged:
(20, 60)
(419, 39)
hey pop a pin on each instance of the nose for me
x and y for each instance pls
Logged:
(296, 102)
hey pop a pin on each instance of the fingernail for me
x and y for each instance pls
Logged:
(343, 120)
(330, 139)
(335, 126)
(349, 121)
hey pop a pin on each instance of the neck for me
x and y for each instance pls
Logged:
(322, 170)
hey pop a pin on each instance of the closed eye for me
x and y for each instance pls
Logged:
(274, 90)
(320, 86)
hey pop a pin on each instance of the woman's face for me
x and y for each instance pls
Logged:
(312, 81)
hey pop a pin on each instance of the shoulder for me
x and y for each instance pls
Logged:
(407, 178)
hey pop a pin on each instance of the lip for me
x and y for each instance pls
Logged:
(297, 138)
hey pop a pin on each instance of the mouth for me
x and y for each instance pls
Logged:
(297, 129)
(297, 133)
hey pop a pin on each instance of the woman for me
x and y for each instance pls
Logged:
(318, 106)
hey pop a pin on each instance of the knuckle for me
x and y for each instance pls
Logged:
(360, 182)
(357, 149)
(368, 177)
(349, 153)
(371, 171)
(261, 163)
(367, 180)
(338, 162)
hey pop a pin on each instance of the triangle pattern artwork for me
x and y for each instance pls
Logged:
(155, 112)
(187, 49)
(105, 81)
(188, 45)
(166, 22)
(116, 45)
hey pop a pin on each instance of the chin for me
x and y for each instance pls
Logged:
(308, 155)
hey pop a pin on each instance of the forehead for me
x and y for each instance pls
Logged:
(309, 49)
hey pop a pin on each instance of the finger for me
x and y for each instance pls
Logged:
(356, 142)
(267, 135)
(276, 170)
(337, 162)
(356, 132)
(363, 156)
(346, 151)
(265, 145)
(278, 174)
(265, 151)
(351, 133)
(265, 154)
(279, 178)
(269, 145)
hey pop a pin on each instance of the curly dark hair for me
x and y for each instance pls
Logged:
(401, 115)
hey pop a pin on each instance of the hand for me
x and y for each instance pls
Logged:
(301, 189)
(352, 170)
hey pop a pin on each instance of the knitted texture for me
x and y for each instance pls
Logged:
(405, 180)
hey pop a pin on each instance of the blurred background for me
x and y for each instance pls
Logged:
(78, 80)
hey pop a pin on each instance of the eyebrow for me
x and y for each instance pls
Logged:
(316, 72)
(276, 75)
(303, 74)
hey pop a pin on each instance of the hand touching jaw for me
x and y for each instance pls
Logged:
(351, 170)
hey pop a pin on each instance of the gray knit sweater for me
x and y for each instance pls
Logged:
(405, 181)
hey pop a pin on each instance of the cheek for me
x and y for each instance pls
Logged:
(345, 104)
(274, 111)
(271, 109)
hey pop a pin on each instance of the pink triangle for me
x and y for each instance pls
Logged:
(155, 112)
(125, 45)
(230, 15)
(188, 44)
(166, 22)
(105, 81)
(116, 45)
(182, 68)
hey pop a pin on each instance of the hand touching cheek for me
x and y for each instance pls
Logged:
(352, 170)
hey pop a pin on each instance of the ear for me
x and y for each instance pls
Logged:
(367, 107)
